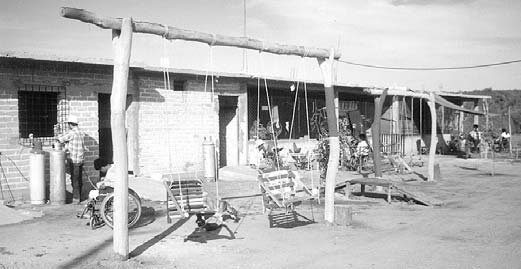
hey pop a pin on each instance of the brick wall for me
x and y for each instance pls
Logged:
(167, 127)
(172, 126)
(82, 83)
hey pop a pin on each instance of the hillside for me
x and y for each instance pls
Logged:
(498, 108)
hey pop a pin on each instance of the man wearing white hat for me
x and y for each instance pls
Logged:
(75, 139)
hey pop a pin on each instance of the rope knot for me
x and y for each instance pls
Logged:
(165, 34)
(214, 40)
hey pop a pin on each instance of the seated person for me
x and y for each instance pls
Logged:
(362, 149)
(106, 174)
(505, 138)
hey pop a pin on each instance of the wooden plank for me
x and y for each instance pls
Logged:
(171, 196)
(171, 33)
(418, 196)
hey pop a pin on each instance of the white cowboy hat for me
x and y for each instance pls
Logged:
(72, 119)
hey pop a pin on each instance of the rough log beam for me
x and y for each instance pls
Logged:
(170, 32)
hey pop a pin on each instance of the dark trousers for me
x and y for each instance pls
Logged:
(76, 170)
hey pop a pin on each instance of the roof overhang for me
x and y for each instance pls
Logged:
(444, 102)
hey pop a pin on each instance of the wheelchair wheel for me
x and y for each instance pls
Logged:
(134, 209)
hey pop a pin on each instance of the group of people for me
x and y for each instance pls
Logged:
(475, 141)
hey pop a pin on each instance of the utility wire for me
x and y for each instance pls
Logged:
(430, 68)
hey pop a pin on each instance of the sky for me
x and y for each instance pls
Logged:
(398, 33)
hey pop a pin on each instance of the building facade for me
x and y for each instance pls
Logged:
(169, 116)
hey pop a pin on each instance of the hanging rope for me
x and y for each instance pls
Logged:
(271, 115)
(296, 97)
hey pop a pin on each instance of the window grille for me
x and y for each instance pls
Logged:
(179, 85)
(42, 112)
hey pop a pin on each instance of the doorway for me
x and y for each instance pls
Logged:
(228, 131)
(105, 131)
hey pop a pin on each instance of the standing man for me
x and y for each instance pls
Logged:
(75, 139)
(475, 138)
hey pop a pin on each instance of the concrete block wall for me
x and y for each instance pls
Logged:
(173, 125)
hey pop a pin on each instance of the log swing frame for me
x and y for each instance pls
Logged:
(122, 30)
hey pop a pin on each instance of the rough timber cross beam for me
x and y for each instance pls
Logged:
(170, 32)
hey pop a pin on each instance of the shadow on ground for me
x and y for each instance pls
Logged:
(146, 245)
(203, 235)
(288, 220)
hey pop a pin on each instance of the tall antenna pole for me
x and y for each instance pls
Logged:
(244, 56)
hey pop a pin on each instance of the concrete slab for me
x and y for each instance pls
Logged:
(237, 173)
(11, 215)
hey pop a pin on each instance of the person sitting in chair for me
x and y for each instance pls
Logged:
(107, 175)
(362, 150)
(505, 139)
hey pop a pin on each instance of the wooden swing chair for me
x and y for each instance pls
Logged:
(280, 187)
(185, 197)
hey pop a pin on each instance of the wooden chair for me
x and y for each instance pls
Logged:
(282, 190)
(184, 197)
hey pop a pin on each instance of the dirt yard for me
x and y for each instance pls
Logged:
(479, 226)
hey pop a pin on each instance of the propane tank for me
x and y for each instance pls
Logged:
(209, 159)
(57, 174)
(37, 176)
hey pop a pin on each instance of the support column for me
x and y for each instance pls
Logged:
(326, 66)
(442, 119)
(476, 117)
(432, 149)
(121, 43)
(335, 92)
(461, 118)
(509, 132)
(396, 115)
(485, 109)
(375, 131)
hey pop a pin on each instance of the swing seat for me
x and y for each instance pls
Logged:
(184, 197)
(282, 190)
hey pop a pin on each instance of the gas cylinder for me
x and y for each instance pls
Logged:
(37, 177)
(209, 159)
(57, 175)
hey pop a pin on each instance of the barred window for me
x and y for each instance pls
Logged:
(42, 111)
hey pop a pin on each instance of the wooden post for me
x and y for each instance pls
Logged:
(485, 109)
(509, 132)
(326, 66)
(432, 149)
(375, 132)
(460, 123)
(476, 108)
(442, 119)
(122, 43)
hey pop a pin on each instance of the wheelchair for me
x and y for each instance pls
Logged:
(100, 207)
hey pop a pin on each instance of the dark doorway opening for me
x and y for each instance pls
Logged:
(105, 132)
(228, 131)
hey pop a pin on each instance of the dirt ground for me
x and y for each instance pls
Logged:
(479, 226)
